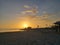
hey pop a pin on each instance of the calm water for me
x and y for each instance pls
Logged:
(11, 30)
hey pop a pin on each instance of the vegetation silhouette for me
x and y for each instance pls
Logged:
(54, 28)
(57, 26)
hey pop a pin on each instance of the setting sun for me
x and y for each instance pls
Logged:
(25, 25)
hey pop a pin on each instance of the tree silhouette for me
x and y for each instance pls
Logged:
(57, 25)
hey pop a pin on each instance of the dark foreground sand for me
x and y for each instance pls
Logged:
(29, 38)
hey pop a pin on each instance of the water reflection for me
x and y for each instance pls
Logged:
(11, 30)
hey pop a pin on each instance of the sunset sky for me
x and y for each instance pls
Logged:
(18, 13)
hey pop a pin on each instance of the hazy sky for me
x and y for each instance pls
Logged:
(14, 13)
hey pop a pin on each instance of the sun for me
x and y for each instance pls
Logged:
(25, 25)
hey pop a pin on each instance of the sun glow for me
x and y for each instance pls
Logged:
(25, 25)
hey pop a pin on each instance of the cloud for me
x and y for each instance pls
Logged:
(26, 6)
(30, 10)
(31, 14)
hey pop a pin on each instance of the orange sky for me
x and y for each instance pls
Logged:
(17, 13)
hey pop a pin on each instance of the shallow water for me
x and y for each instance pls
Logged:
(9, 30)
